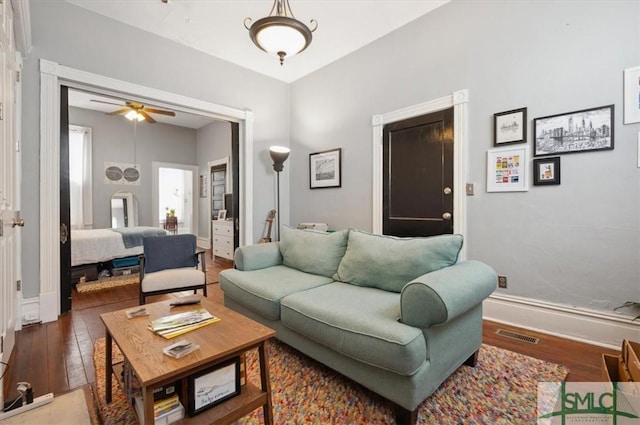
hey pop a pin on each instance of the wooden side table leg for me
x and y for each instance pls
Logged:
(108, 367)
(265, 380)
(148, 405)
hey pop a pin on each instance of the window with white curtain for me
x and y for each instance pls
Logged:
(81, 198)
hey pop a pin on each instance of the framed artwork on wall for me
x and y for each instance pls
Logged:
(632, 95)
(579, 131)
(510, 127)
(546, 171)
(507, 169)
(325, 169)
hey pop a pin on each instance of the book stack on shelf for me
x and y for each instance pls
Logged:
(165, 411)
(177, 324)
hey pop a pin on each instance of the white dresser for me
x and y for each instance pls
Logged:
(222, 235)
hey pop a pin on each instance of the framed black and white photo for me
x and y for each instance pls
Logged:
(579, 131)
(325, 169)
(213, 386)
(510, 127)
(507, 169)
(632, 95)
(222, 214)
(546, 171)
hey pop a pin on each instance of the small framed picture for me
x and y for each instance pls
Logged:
(222, 214)
(546, 171)
(325, 169)
(579, 131)
(213, 386)
(510, 127)
(632, 95)
(507, 169)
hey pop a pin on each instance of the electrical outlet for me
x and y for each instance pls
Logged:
(502, 282)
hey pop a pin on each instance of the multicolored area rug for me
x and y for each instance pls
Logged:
(501, 389)
(107, 282)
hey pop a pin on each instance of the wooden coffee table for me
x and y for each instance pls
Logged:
(232, 336)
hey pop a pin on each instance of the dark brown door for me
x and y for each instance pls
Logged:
(418, 175)
(65, 212)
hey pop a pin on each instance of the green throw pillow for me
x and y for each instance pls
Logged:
(389, 262)
(311, 251)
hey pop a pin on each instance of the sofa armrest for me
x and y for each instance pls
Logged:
(437, 297)
(255, 257)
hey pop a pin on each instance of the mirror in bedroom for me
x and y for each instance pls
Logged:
(124, 209)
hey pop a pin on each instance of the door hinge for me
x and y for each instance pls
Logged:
(17, 145)
(1, 111)
(18, 285)
(18, 76)
(1, 227)
(1, 344)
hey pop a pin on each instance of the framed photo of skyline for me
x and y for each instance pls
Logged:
(579, 131)
(510, 127)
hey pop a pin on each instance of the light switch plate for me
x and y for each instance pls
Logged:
(469, 189)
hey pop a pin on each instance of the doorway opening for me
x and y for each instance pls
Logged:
(174, 186)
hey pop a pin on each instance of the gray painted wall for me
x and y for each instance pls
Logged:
(214, 142)
(575, 244)
(113, 141)
(97, 44)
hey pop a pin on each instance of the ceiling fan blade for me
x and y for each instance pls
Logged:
(108, 103)
(147, 117)
(160, 111)
(119, 111)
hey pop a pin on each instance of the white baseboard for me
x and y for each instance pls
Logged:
(592, 327)
(204, 243)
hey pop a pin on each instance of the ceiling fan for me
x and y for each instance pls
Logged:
(137, 111)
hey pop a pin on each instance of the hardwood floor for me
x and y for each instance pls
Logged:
(57, 357)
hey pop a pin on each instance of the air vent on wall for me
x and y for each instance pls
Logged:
(517, 336)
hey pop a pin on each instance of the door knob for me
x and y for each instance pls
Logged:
(17, 222)
(447, 190)
(446, 216)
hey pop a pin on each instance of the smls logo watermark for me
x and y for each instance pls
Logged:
(577, 403)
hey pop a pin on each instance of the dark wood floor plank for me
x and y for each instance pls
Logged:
(69, 342)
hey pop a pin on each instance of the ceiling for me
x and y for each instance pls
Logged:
(86, 100)
(216, 27)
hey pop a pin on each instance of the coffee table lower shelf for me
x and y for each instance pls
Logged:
(251, 397)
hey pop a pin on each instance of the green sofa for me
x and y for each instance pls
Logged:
(397, 315)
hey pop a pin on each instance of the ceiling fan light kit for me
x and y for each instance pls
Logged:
(134, 111)
(280, 33)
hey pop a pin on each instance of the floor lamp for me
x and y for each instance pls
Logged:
(279, 155)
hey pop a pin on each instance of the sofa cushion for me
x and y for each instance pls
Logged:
(361, 323)
(262, 290)
(389, 262)
(311, 251)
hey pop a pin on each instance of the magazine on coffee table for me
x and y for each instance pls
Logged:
(177, 324)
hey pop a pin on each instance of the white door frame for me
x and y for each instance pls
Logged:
(228, 189)
(459, 101)
(52, 76)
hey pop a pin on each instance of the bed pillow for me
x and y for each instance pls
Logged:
(311, 251)
(389, 262)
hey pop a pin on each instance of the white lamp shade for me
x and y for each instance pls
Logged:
(278, 38)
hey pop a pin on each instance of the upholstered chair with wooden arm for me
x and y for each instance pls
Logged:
(171, 264)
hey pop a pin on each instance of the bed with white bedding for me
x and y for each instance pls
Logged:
(101, 245)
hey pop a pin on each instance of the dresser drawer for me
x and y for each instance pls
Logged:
(223, 241)
(223, 229)
(224, 252)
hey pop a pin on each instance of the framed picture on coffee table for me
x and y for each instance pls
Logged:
(212, 386)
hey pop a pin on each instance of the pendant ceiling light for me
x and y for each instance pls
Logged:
(280, 33)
